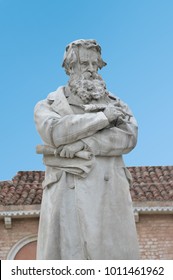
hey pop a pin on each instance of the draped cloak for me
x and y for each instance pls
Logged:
(86, 210)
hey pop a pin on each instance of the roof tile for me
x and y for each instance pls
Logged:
(150, 183)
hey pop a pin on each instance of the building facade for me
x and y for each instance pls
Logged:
(152, 196)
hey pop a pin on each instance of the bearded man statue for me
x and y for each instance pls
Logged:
(86, 210)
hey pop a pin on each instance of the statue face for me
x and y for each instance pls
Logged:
(88, 61)
(85, 82)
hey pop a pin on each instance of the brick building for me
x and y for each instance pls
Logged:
(152, 195)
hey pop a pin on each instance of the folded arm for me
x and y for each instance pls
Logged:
(97, 130)
(116, 140)
(59, 130)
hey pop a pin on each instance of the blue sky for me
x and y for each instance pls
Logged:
(136, 37)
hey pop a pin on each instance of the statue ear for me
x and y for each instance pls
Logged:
(101, 64)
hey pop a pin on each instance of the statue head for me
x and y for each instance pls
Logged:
(82, 59)
(82, 56)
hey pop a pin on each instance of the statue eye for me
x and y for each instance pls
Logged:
(85, 63)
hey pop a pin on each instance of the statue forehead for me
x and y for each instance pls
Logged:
(87, 54)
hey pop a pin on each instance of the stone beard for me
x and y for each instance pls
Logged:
(88, 87)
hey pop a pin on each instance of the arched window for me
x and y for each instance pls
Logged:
(24, 249)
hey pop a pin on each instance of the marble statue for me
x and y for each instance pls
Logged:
(86, 211)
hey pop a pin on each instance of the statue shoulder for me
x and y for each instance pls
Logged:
(52, 96)
(49, 100)
(58, 103)
(119, 102)
(112, 97)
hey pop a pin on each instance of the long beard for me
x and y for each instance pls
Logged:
(88, 87)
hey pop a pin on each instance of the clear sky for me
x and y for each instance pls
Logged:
(136, 37)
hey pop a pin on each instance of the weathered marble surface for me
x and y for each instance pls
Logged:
(86, 210)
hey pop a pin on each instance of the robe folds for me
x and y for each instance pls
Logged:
(86, 210)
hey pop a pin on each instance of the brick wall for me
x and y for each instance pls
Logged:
(156, 236)
(20, 228)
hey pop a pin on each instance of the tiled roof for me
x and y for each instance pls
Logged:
(150, 183)
(25, 188)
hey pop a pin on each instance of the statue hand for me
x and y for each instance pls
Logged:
(112, 113)
(69, 150)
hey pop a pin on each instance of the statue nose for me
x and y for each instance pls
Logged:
(91, 68)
